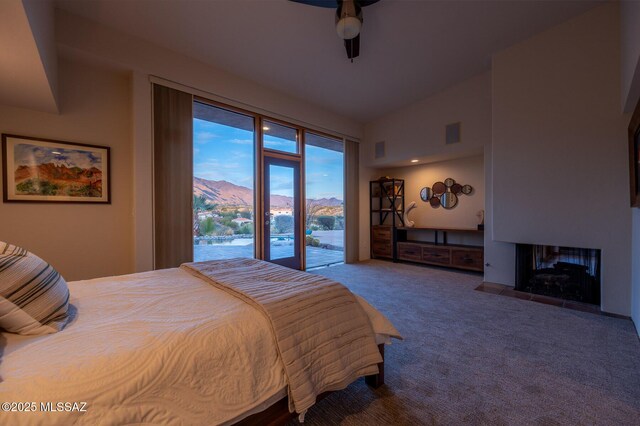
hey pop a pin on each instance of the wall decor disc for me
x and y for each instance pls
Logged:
(434, 201)
(425, 193)
(439, 188)
(456, 188)
(449, 200)
(466, 189)
(449, 182)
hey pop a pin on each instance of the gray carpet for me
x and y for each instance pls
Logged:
(476, 358)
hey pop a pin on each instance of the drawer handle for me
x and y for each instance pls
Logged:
(468, 259)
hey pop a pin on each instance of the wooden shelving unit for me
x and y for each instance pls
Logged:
(386, 205)
(439, 251)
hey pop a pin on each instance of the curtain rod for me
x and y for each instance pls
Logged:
(234, 103)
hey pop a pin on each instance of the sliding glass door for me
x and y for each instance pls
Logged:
(265, 188)
(282, 211)
(324, 207)
(223, 183)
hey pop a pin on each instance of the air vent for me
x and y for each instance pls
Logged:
(453, 133)
(380, 150)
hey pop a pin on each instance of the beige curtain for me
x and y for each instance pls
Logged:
(173, 176)
(351, 171)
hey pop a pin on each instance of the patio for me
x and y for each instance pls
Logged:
(316, 256)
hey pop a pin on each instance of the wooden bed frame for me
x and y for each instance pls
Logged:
(278, 413)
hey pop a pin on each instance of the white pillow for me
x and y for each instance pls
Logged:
(34, 298)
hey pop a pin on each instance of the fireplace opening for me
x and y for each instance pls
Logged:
(564, 272)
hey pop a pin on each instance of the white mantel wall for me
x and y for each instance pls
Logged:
(630, 42)
(560, 172)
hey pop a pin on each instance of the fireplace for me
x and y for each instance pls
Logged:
(564, 272)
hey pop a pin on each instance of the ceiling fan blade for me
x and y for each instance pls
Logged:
(353, 47)
(365, 3)
(333, 3)
(320, 3)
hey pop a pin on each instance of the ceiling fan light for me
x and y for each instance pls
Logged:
(348, 27)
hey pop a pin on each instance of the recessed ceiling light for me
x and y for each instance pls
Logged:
(56, 152)
(414, 161)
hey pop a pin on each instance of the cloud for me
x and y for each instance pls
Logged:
(31, 155)
(242, 141)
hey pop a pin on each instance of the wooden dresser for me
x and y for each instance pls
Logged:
(439, 251)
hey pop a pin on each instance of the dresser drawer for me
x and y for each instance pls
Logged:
(441, 256)
(408, 251)
(381, 233)
(468, 259)
(382, 249)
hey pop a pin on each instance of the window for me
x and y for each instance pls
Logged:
(223, 183)
(280, 138)
(324, 222)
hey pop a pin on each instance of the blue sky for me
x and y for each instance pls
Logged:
(226, 153)
(32, 155)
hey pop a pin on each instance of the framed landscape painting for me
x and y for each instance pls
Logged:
(45, 170)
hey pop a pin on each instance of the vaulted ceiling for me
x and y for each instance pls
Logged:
(409, 49)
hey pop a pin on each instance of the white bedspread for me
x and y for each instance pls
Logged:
(159, 347)
(154, 347)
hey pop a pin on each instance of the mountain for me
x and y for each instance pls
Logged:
(226, 193)
(53, 179)
(57, 173)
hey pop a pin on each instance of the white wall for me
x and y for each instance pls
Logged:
(499, 257)
(630, 45)
(418, 131)
(635, 259)
(560, 147)
(80, 240)
(88, 39)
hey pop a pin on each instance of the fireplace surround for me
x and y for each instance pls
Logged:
(565, 272)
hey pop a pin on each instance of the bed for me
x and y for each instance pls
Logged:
(160, 347)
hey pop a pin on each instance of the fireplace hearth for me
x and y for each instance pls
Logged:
(564, 272)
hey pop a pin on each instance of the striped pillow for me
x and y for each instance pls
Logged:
(34, 297)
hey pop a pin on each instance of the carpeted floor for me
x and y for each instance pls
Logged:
(475, 358)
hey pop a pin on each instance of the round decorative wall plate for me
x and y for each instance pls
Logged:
(449, 200)
(434, 201)
(449, 182)
(456, 188)
(439, 188)
(466, 189)
(425, 193)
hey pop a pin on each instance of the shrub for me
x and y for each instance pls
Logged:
(326, 222)
(283, 224)
(313, 242)
(207, 226)
(245, 229)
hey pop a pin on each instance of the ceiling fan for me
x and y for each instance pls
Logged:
(348, 20)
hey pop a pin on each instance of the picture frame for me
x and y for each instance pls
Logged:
(38, 170)
(634, 157)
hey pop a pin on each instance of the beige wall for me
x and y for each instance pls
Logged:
(560, 148)
(418, 131)
(468, 170)
(80, 240)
